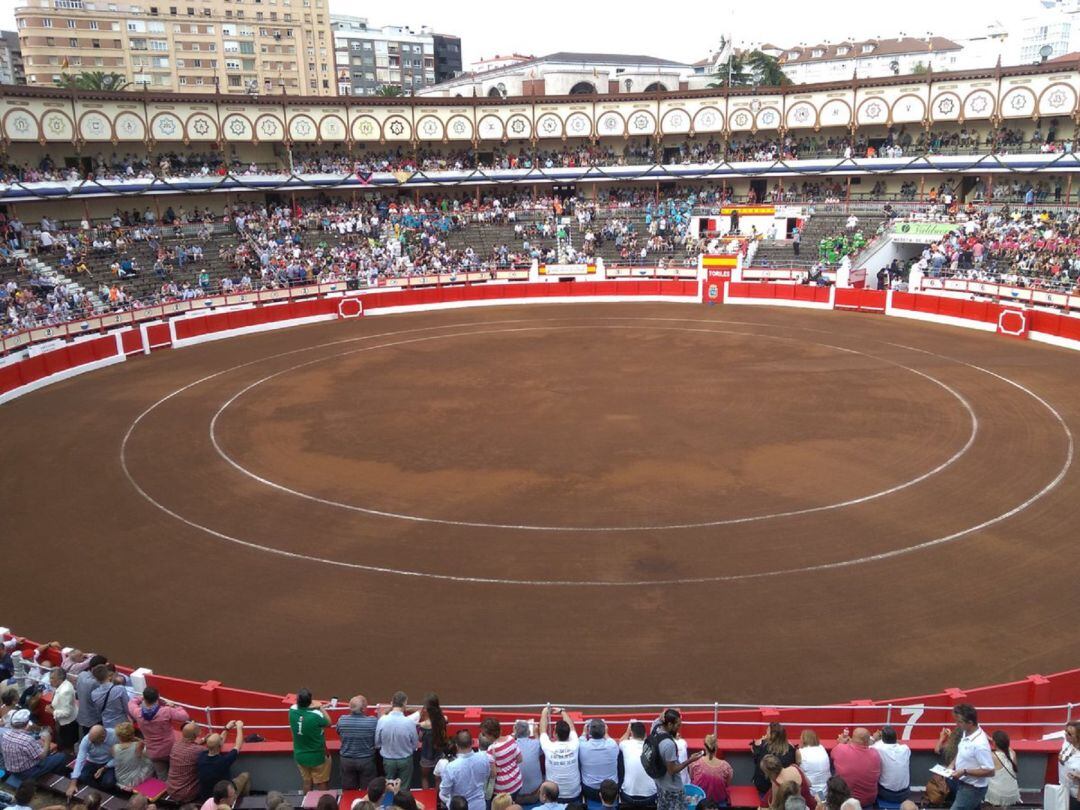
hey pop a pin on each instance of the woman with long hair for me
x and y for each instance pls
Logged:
(812, 757)
(712, 773)
(838, 796)
(1004, 787)
(433, 738)
(779, 775)
(774, 742)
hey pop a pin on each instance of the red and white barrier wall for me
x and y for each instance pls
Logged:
(77, 347)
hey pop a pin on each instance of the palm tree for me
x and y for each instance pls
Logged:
(750, 69)
(93, 80)
(388, 91)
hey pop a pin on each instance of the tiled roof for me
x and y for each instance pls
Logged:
(881, 47)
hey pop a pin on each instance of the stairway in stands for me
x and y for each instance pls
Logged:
(779, 253)
(58, 279)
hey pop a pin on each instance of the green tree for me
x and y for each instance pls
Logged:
(750, 69)
(93, 80)
(919, 69)
(388, 91)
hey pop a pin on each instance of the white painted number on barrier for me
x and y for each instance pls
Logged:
(913, 712)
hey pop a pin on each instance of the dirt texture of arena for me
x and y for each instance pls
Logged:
(599, 503)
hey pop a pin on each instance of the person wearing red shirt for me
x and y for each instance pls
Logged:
(859, 765)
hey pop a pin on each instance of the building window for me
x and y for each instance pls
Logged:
(867, 48)
(46, 22)
(74, 42)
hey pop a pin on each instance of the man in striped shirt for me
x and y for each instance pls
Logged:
(357, 732)
(507, 756)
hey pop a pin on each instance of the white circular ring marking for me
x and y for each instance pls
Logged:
(587, 529)
(1053, 484)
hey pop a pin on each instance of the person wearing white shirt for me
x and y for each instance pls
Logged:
(974, 763)
(561, 754)
(814, 760)
(638, 788)
(63, 710)
(894, 784)
(1069, 763)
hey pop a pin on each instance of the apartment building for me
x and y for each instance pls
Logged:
(202, 46)
(11, 63)
(372, 59)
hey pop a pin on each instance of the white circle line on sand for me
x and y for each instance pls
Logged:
(588, 529)
(1049, 487)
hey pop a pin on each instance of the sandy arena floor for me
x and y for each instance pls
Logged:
(585, 503)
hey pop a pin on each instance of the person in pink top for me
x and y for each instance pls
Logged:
(155, 718)
(858, 764)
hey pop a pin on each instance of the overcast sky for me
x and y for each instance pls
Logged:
(684, 30)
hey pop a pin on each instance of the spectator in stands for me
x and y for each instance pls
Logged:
(561, 754)
(88, 714)
(433, 740)
(774, 742)
(506, 755)
(974, 764)
(1069, 763)
(63, 710)
(548, 795)
(838, 796)
(94, 765)
(130, 762)
(598, 756)
(609, 793)
(183, 781)
(224, 794)
(357, 732)
(468, 773)
(779, 776)
(638, 788)
(712, 773)
(858, 764)
(109, 697)
(396, 737)
(531, 774)
(24, 795)
(894, 784)
(154, 717)
(1004, 787)
(669, 786)
(812, 757)
(308, 721)
(25, 755)
(215, 767)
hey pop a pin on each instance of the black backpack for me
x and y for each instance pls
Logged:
(651, 759)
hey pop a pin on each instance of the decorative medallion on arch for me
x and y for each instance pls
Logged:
(578, 125)
(302, 128)
(430, 128)
(742, 120)
(518, 127)
(610, 125)
(332, 128)
(270, 128)
(979, 104)
(129, 127)
(908, 109)
(641, 122)
(201, 127)
(675, 122)
(237, 128)
(459, 128)
(21, 125)
(1019, 102)
(768, 118)
(490, 128)
(396, 128)
(548, 125)
(801, 115)
(872, 111)
(95, 126)
(708, 119)
(167, 127)
(366, 128)
(1057, 99)
(946, 107)
(57, 126)
(836, 113)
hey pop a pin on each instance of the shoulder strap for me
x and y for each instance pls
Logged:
(1006, 765)
(105, 700)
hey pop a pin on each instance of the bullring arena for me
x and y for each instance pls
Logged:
(692, 419)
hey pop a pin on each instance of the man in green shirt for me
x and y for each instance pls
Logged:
(309, 721)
